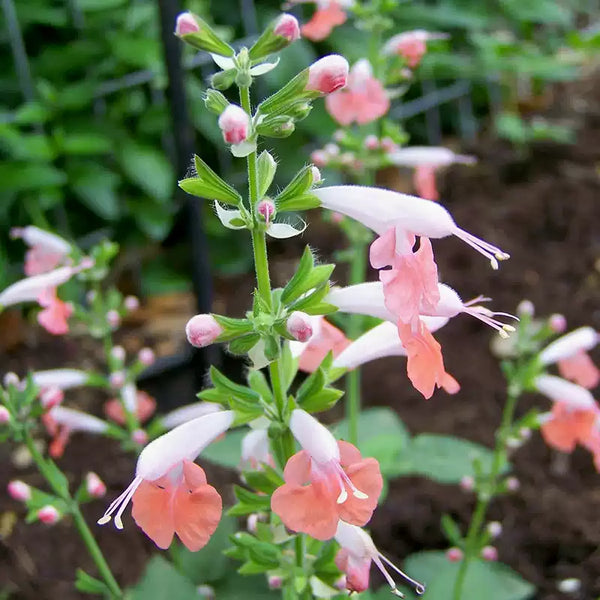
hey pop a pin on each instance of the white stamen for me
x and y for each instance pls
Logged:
(419, 587)
(121, 503)
(345, 480)
(343, 496)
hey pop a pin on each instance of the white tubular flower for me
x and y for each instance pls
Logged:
(76, 420)
(433, 156)
(567, 346)
(30, 288)
(63, 379)
(182, 415)
(561, 390)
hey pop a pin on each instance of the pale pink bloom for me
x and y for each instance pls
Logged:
(256, 450)
(467, 483)
(4, 415)
(329, 14)
(354, 558)
(489, 553)
(51, 397)
(19, 490)
(186, 23)
(118, 353)
(411, 45)
(326, 338)
(299, 326)
(328, 74)
(117, 379)
(132, 303)
(113, 318)
(557, 323)
(202, 330)
(266, 209)
(275, 582)
(136, 401)
(494, 529)
(140, 437)
(325, 482)
(169, 492)
(287, 27)
(566, 426)
(63, 379)
(428, 156)
(561, 390)
(454, 554)
(47, 250)
(320, 158)
(570, 352)
(362, 100)
(146, 356)
(380, 209)
(424, 182)
(182, 415)
(95, 487)
(61, 421)
(48, 515)
(53, 317)
(235, 125)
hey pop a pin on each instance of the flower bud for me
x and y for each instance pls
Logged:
(94, 485)
(252, 522)
(132, 303)
(118, 353)
(48, 514)
(299, 326)
(287, 27)
(512, 484)
(235, 124)
(526, 307)
(316, 175)
(139, 436)
(186, 23)
(146, 356)
(557, 323)
(113, 318)
(19, 490)
(202, 330)
(320, 158)
(215, 101)
(489, 553)
(494, 528)
(371, 142)
(11, 379)
(4, 415)
(332, 149)
(117, 379)
(328, 74)
(388, 144)
(467, 483)
(340, 583)
(51, 397)
(454, 554)
(275, 582)
(266, 209)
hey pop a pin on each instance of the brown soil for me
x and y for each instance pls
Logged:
(543, 209)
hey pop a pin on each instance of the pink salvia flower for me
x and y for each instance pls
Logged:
(287, 27)
(362, 100)
(328, 74)
(299, 326)
(170, 494)
(235, 124)
(19, 490)
(557, 323)
(355, 556)
(94, 485)
(326, 481)
(581, 369)
(328, 15)
(568, 426)
(51, 397)
(424, 182)
(48, 515)
(202, 330)
(429, 156)
(139, 437)
(4, 415)
(411, 45)
(186, 23)
(186, 413)
(380, 209)
(53, 317)
(47, 250)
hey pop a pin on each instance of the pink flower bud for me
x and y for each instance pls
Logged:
(328, 74)
(202, 330)
(118, 353)
(139, 436)
(94, 485)
(132, 303)
(494, 528)
(235, 124)
(51, 397)
(146, 356)
(512, 484)
(332, 149)
(186, 23)
(316, 174)
(11, 379)
(467, 483)
(117, 379)
(388, 144)
(113, 318)
(320, 158)
(526, 307)
(4, 415)
(287, 27)
(340, 583)
(489, 553)
(299, 326)
(19, 490)
(275, 582)
(371, 142)
(557, 323)
(48, 514)
(252, 522)
(454, 554)
(266, 209)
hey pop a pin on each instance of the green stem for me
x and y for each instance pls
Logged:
(472, 541)
(82, 527)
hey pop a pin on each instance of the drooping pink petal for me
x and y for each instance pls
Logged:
(297, 468)
(53, 318)
(323, 22)
(144, 409)
(373, 102)
(581, 369)
(329, 338)
(568, 427)
(356, 569)
(342, 106)
(366, 477)
(424, 182)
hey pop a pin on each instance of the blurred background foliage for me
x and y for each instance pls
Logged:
(85, 134)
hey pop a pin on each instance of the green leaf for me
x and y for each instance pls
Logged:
(223, 383)
(86, 143)
(207, 184)
(258, 382)
(266, 481)
(24, 177)
(444, 458)
(495, 580)
(299, 186)
(148, 169)
(226, 452)
(161, 581)
(90, 585)
(267, 166)
(96, 187)
(248, 502)
(451, 530)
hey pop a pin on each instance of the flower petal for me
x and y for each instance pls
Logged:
(152, 511)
